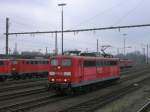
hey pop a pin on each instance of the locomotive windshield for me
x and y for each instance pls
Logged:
(54, 62)
(66, 62)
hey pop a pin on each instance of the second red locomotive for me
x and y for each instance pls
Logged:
(30, 67)
(22, 68)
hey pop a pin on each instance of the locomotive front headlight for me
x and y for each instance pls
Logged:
(65, 80)
(51, 73)
(67, 73)
(52, 80)
(13, 69)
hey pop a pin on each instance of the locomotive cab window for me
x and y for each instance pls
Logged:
(66, 62)
(54, 62)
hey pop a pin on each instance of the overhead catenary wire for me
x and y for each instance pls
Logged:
(129, 12)
(29, 24)
(100, 13)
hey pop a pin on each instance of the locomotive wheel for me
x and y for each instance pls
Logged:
(70, 91)
(23, 77)
(65, 92)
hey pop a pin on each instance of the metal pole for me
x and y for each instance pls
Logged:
(7, 34)
(124, 42)
(46, 50)
(62, 31)
(147, 53)
(97, 47)
(56, 48)
(62, 26)
(144, 55)
(118, 51)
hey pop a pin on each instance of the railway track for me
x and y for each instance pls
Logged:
(22, 85)
(20, 81)
(30, 102)
(20, 93)
(124, 91)
(32, 98)
(145, 108)
(94, 104)
(134, 74)
(36, 100)
(134, 69)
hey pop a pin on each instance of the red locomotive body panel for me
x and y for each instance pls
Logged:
(5, 68)
(30, 66)
(76, 71)
(23, 67)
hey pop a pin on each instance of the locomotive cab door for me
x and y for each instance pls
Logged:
(81, 70)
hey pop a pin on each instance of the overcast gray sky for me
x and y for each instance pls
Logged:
(45, 15)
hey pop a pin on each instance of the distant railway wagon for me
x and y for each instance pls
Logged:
(71, 72)
(125, 63)
(21, 68)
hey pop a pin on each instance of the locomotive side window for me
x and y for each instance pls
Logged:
(54, 62)
(39, 62)
(36, 62)
(1, 63)
(89, 63)
(31, 62)
(105, 63)
(113, 63)
(28, 62)
(14, 62)
(46, 62)
(66, 62)
(99, 63)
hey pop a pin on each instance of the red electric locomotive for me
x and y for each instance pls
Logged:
(70, 72)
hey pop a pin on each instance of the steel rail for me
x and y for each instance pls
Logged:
(145, 107)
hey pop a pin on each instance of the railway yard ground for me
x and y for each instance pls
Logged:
(130, 94)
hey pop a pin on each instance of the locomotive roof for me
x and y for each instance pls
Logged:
(4, 59)
(32, 59)
(85, 57)
(25, 59)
